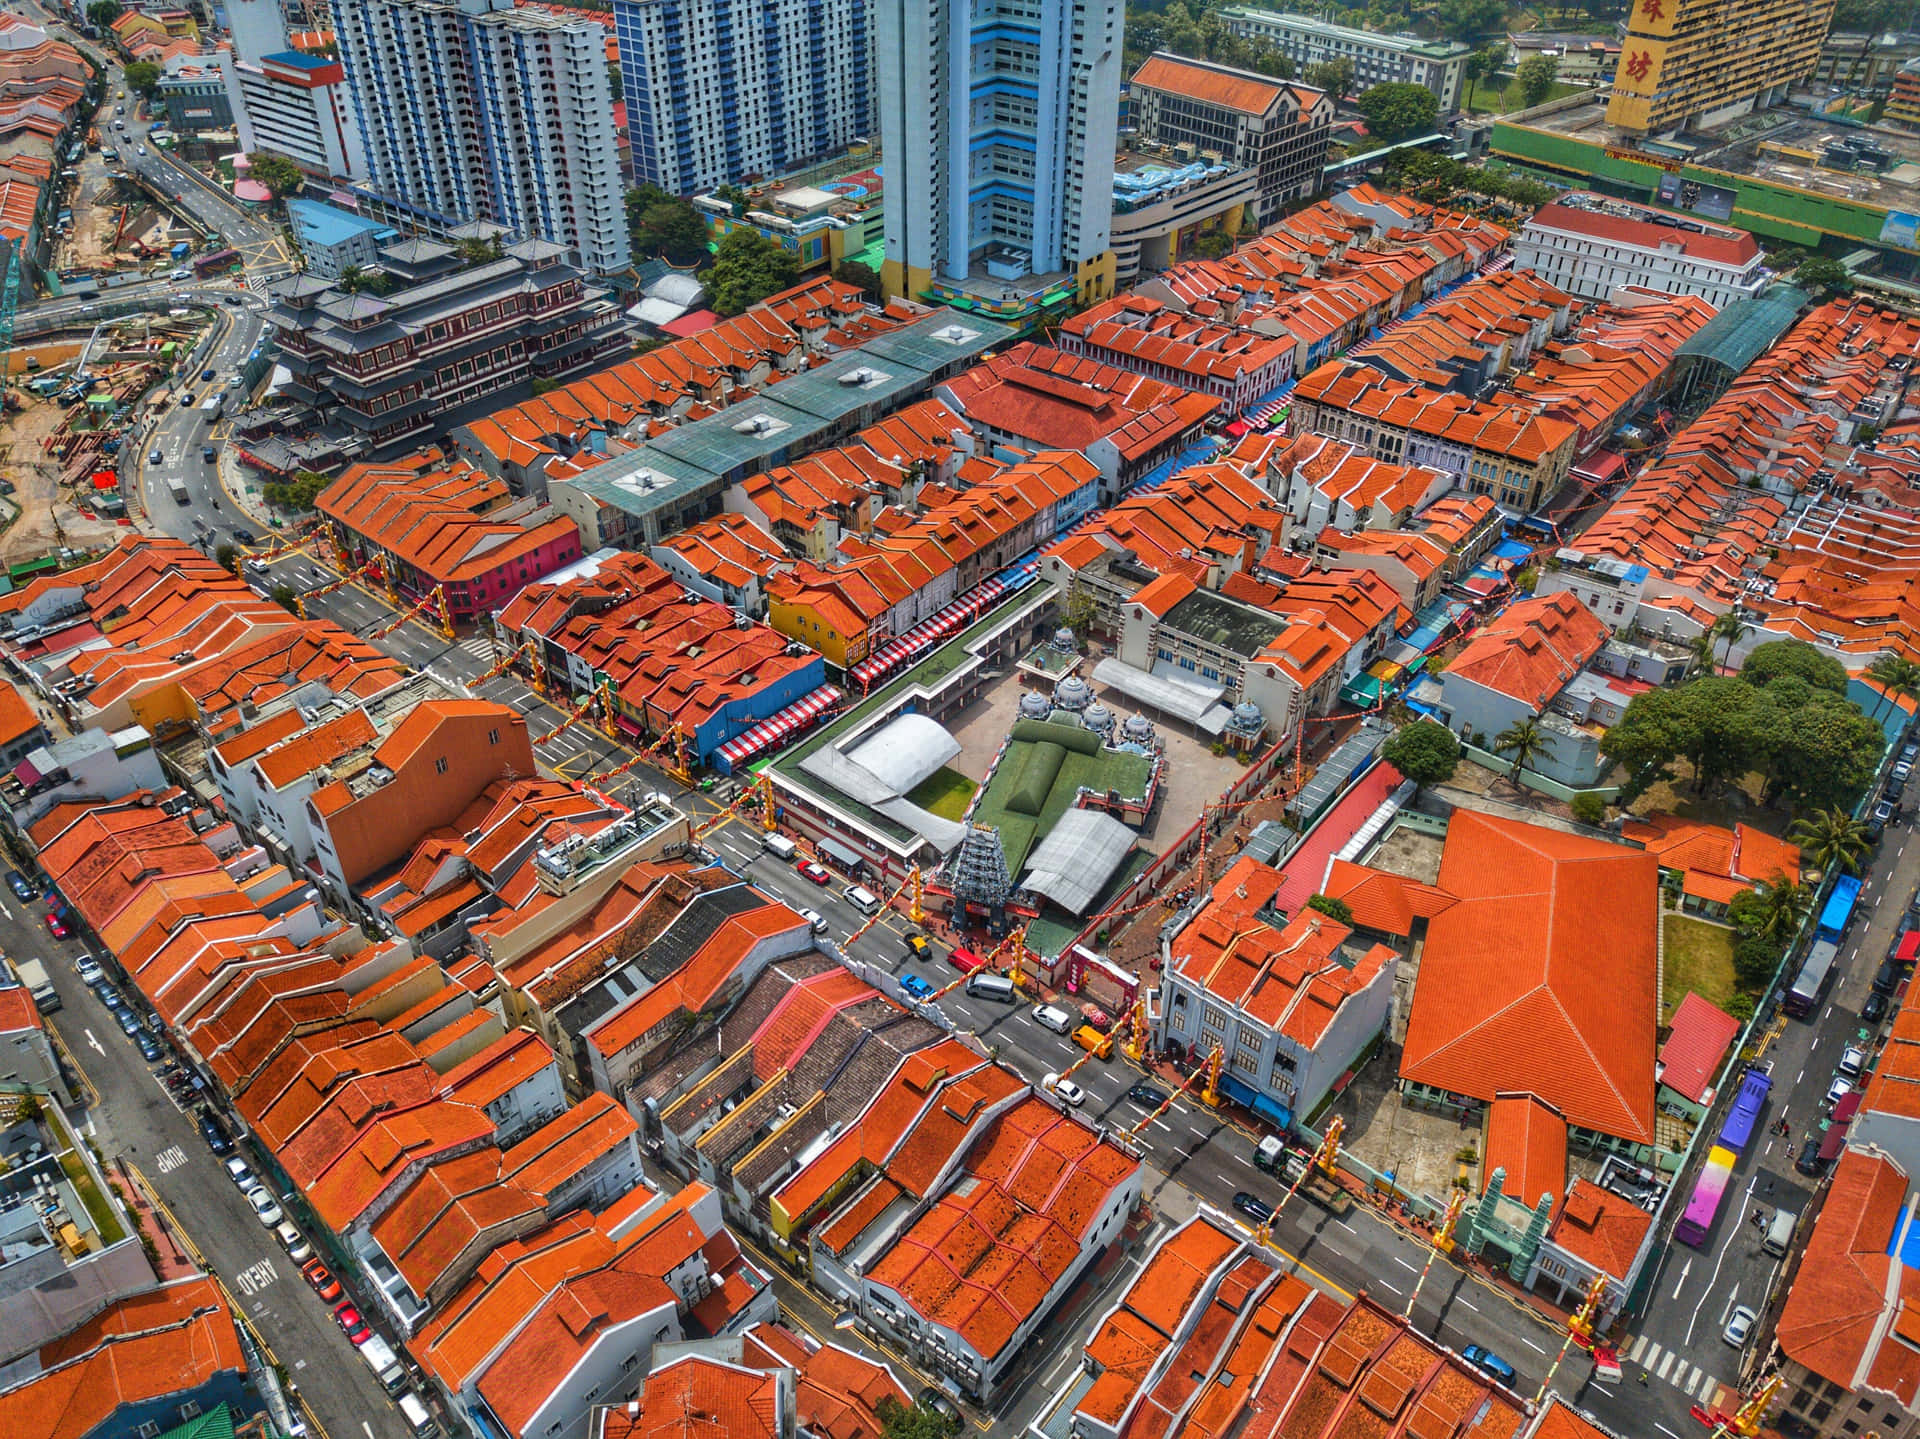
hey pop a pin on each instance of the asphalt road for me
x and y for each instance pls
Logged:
(136, 1118)
(181, 433)
(1679, 1342)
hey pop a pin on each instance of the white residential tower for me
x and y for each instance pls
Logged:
(473, 110)
(998, 120)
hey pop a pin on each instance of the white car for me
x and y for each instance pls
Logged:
(1838, 1090)
(1066, 1089)
(1853, 1059)
(87, 968)
(265, 1207)
(1739, 1325)
(813, 918)
(294, 1242)
(238, 1172)
(1054, 1018)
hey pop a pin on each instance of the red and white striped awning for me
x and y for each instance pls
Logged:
(928, 633)
(781, 727)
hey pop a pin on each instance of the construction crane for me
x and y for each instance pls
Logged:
(366, 571)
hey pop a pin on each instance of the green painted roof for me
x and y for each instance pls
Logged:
(1746, 329)
(1040, 775)
(216, 1423)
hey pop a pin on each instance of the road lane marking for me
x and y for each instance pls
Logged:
(1666, 1363)
(255, 1277)
(169, 1159)
(94, 1042)
(1531, 1345)
(1404, 1265)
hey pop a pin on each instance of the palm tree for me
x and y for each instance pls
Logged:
(1780, 905)
(1525, 741)
(1701, 646)
(1897, 676)
(352, 279)
(1830, 838)
(1729, 627)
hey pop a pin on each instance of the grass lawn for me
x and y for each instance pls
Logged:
(98, 1209)
(946, 792)
(1699, 960)
(1487, 99)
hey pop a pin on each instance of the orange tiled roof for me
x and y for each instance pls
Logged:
(1600, 1227)
(1850, 1315)
(1540, 978)
(1527, 1137)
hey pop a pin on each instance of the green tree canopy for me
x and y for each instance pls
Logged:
(1425, 752)
(1470, 20)
(104, 12)
(1333, 908)
(1823, 274)
(1794, 657)
(1399, 111)
(673, 230)
(279, 174)
(1535, 76)
(865, 277)
(747, 268)
(1333, 76)
(911, 1421)
(143, 76)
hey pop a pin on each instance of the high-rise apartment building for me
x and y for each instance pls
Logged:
(1695, 64)
(998, 120)
(720, 90)
(473, 110)
(296, 105)
(1440, 65)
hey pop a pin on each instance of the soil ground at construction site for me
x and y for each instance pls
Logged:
(36, 488)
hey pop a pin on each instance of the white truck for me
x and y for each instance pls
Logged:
(384, 1363)
(33, 974)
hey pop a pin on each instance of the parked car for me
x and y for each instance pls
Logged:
(88, 968)
(294, 1242)
(1909, 753)
(815, 920)
(265, 1207)
(1148, 1096)
(322, 1280)
(1739, 1325)
(351, 1324)
(1253, 1206)
(1853, 1059)
(1896, 788)
(1882, 816)
(150, 1049)
(914, 985)
(1072, 1093)
(128, 1021)
(1487, 1362)
(1809, 1161)
(1838, 1090)
(239, 1173)
(937, 1400)
(1875, 1009)
(817, 873)
(57, 927)
(1887, 978)
(215, 1133)
(21, 885)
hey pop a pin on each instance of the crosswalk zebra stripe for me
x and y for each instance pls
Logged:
(1666, 1363)
(1640, 1344)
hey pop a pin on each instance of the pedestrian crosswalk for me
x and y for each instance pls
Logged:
(1667, 1366)
(481, 648)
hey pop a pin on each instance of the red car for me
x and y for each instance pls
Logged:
(58, 927)
(322, 1280)
(818, 873)
(351, 1324)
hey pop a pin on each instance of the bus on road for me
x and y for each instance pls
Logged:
(1812, 979)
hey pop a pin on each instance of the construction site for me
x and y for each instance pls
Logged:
(67, 412)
